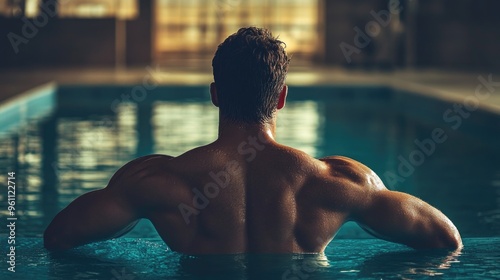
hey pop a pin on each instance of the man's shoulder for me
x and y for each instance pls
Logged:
(140, 169)
(345, 168)
(332, 168)
(143, 162)
(342, 160)
(342, 164)
(149, 180)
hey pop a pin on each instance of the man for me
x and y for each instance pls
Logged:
(245, 192)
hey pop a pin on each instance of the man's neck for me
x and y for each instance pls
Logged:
(238, 131)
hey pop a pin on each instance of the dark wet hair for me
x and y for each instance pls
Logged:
(249, 68)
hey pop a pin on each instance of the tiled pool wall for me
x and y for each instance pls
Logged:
(34, 104)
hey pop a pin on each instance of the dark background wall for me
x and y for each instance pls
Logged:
(446, 34)
(459, 34)
(341, 17)
(62, 42)
(75, 42)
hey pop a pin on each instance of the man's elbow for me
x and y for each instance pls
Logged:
(448, 239)
(452, 240)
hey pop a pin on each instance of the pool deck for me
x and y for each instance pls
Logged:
(446, 85)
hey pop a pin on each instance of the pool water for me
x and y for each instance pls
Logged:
(91, 131)
(128, 258)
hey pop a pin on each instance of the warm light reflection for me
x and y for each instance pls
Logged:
(31, 8)
(10, 8)
(125, 9)
(60, 157)
(196, 27)
(22, 153)
(299, 125)
(435, 267)
(179, 127)
(90, 150)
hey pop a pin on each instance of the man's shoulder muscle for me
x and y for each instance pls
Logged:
(352, 171)
(147, 182)
(137, 169)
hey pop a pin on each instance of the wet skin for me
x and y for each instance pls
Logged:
(247, 193)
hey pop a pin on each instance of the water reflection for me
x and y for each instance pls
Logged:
(181, 126)
(344, 259)
(61, 156)
(408, 264)
(258, 266)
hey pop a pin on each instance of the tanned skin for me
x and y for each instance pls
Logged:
(272, 199)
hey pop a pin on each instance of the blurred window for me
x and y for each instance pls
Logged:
(99, 8)
(125, 9)
(193, 27)
(11, 8)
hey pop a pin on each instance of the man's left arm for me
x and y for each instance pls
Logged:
(94, 216)
(102, 214)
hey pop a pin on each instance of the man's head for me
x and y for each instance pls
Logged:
(249, 69)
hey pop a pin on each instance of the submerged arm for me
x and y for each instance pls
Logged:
(94, 216)
(391, 215)
(102, 214)
(405, 219)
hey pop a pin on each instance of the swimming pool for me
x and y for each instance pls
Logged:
(128, 258)
(66, 140)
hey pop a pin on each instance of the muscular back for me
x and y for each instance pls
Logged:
(223, 198)
(215, 199)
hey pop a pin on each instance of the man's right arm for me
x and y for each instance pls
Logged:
(405, 219)
(390, 215)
